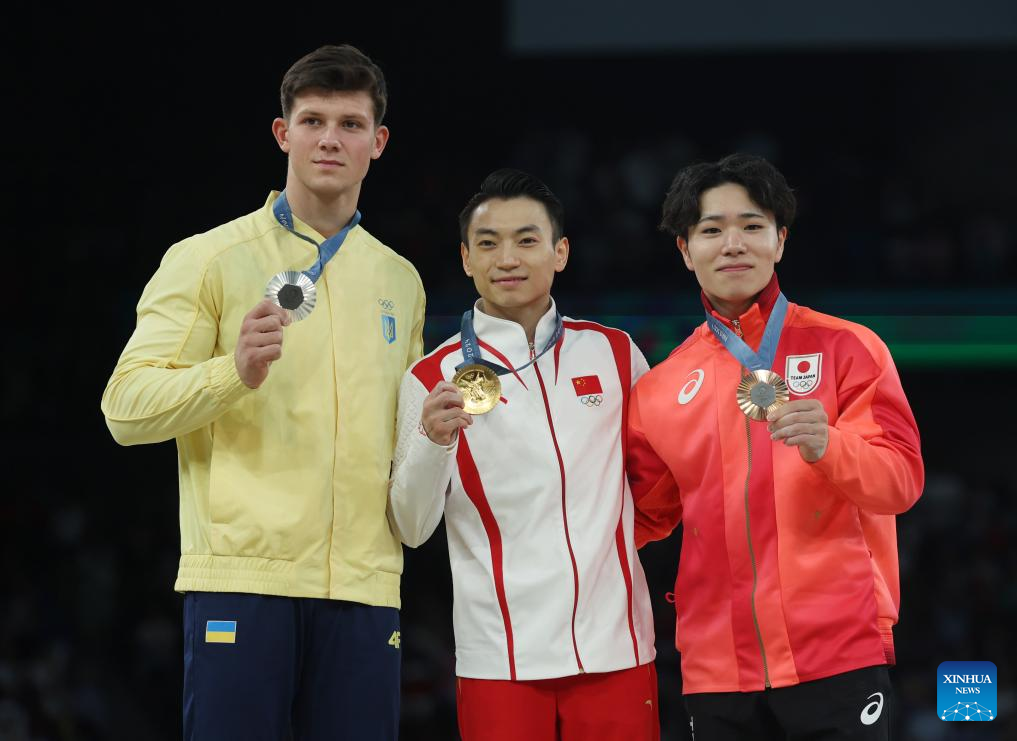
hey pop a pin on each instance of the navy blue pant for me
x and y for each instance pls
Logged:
(282, 668)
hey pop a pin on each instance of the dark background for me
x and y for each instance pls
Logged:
(127, 133)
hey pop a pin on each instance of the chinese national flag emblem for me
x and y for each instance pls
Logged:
(585, 385)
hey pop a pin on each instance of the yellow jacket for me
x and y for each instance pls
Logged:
(282, 489)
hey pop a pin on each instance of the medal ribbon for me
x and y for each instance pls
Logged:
(471, 347)
(763, 359)
(326, 250)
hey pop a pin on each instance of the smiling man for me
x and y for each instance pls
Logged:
(554, 635)
(289, 569)
(782, 440)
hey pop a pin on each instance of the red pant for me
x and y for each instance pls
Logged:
(613, 706)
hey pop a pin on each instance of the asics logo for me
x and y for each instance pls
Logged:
(870, 715)
(691, 388)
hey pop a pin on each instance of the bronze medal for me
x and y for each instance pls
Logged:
(760, 392)
(480, 387)
(294, 292)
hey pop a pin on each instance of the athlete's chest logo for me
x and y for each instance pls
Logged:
(589, 390)
(803, 372)
(688, 392)
(388, 320)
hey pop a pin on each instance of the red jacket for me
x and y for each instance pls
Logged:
(788, 570)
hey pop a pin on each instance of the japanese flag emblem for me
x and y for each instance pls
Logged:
(803, 372)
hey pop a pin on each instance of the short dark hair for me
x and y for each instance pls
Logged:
(765, 185)
(508, 183)
(335, 68)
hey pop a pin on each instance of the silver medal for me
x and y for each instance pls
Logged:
(294, 292)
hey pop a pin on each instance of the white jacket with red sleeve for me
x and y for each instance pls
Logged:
(537, 506)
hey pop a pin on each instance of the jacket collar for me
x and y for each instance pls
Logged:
(298, 224)
(753, 321)
(509, 338)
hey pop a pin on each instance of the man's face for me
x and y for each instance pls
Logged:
(511, 256)
(734, 245)
(330, 138)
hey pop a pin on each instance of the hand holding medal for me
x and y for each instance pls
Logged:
(803, 423)
(443, 414)
(259, 342)
(763, 395)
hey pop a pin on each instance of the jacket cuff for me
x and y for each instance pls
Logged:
(430, 450)
(224, 381)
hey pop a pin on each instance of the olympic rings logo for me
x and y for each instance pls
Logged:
(386, 304)
(592, 400)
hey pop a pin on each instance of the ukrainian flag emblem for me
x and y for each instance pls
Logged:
(221, 631)
(388, 328)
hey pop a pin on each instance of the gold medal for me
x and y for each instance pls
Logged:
(760, 392)
(294, 292)
(480, 387)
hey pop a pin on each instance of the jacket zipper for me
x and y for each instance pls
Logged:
(564, 514)
(748, 535)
